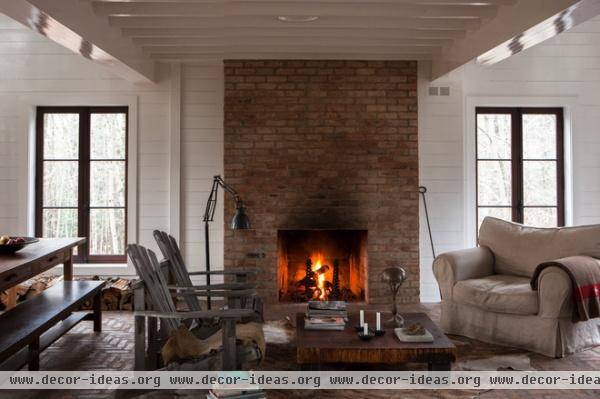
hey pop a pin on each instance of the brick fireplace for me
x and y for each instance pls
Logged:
(324, 145)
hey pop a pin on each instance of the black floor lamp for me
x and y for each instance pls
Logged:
(240, 219)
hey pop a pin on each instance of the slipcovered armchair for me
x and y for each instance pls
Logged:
(486, 292)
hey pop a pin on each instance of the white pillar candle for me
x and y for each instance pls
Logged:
(366, 329)
(362, 318)
(378, 321)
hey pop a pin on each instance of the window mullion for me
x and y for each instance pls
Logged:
(560, 166)
(84, 181)
(517, 165)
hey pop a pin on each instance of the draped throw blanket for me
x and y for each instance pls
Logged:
(584, 272)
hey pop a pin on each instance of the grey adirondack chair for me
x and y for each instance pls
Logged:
(176, 265)
(154, 307)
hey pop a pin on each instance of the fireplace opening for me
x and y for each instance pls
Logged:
(321, 265)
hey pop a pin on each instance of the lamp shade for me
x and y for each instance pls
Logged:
(240, 219)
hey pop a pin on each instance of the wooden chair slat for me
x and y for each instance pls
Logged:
(170, 250)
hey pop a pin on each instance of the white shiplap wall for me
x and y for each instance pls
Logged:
(441, 172)
(564, 70)
(202, 149)
(33, 69)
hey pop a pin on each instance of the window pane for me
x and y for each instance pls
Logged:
(540, 217)
(494, 183)
(539, 136)
(493, 136)
(59, 223)
(107, 231)
(107, 183)
(539, 182)
(501, 213)
(60, 183)
(108, 135)
(61, 136)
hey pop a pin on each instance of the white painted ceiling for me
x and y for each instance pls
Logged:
(181, 30)
(135, 34)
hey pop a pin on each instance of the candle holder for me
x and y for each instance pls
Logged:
(358, 328)
(366, 337)
(394, 276)
(379, 333)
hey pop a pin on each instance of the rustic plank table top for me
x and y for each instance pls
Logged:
(315, 347)
(37, 258)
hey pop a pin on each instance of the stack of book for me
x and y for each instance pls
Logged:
(326, 315)
(236, 394)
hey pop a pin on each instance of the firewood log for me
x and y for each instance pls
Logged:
(3, 299)
(24, 287)
(110, 299)
(36, 288)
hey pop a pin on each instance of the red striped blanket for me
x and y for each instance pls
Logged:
(584, 272)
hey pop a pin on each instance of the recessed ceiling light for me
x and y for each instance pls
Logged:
(297, 18)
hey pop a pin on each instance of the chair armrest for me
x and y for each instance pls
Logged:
(452, 267)
(555, 293)
(236, 272)
(201, 314)
(213, 293)
(226, 286)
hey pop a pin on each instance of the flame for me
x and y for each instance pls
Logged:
(318, 262)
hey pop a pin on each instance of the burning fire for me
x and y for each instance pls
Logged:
(317, 263)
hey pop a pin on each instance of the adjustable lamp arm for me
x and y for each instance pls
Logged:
(218, 181)
(240, 219)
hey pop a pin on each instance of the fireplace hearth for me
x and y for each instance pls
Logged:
(322, 265)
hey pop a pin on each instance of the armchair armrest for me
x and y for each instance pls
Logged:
(555, 293)
(452, 267)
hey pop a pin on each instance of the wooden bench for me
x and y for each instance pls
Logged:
(35, 324)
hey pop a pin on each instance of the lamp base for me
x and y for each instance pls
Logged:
(395, 322)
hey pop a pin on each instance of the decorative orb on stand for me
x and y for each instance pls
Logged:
(394, 276)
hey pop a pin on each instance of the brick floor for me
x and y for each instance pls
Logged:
(82, 349)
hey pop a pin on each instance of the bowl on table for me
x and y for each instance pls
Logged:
(16, 244)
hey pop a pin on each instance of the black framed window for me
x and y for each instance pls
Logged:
(520, 165)
(81, 179)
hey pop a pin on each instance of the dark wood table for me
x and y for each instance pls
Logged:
(35, 259)
(316, 347)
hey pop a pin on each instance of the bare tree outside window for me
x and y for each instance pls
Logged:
(520, 165)
(82, 178)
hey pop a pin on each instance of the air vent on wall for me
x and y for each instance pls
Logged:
(439, 91)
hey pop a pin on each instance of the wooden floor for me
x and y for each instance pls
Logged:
(112, 349)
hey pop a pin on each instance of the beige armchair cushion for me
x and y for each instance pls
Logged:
(519, 249)
(498, 293)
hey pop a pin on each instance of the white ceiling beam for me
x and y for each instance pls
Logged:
(508, 24)
(73, 25)
(573, 16)
(226, 9)
(418, 2)
(294, 32)
(331, 55)
(284, 41)
(271, 22)
(321, 49)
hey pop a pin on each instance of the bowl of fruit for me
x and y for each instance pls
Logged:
(9, 245)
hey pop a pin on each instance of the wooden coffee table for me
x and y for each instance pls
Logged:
(317, 347)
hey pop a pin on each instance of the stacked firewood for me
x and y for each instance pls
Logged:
(116, 295)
